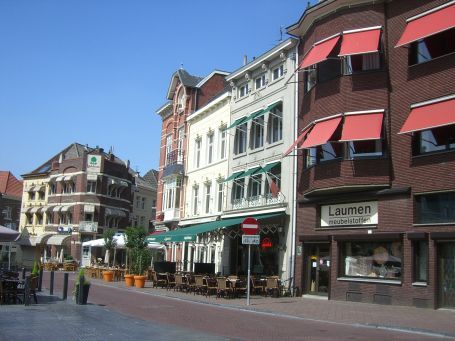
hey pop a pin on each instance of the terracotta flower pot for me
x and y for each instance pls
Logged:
(108, 276)
(139, 281)
(129, 280)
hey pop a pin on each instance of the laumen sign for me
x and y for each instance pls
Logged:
(351, 214)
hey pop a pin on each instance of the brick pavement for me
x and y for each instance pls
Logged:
(425, 321)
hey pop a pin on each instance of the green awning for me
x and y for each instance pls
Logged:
(268, 167)
(234, 176)
(249, 172)
(237, 122)
(189, 234)
(272, 106)
(257, 114)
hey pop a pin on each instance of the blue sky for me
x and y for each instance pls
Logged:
(95, 71)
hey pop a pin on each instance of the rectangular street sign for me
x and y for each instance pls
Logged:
(253, 239)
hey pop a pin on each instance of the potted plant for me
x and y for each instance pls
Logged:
(138, 254)
(85, 288)
(109, 244)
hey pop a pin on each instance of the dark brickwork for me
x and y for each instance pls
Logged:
(394, 88)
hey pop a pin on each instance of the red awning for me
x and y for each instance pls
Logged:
(319, 52)
(428, 23)
(298, 141)
(362, 126)
(430, 116)
(321, 132)
(360, 41)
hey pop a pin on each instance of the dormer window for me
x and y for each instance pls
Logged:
(181, 99)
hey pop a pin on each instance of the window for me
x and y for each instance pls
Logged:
(238, 189)
(168, 148)
(329, 69)
(195, 199)
(208, 190)
(91, 186)
(141, 221)
(197, 153)
(52, 188)
(138, 200)
(434, 140)
(222, 142)
(259, 82)
(273, 181)
(41, 195)
(7, 213)
(88, 217)
(209, 148)
(39, 219)
(29, 219)
(420, 264)
(278, 72)
(432, 47)
(171, 196)
(435, 208)
(143, 203)
(50, 217)
(361, 62)
(243, 90)
(371, 260)
(240, 139)
(180, 145)
(257, 132)
(31, 195)
(329, 151)
(368, 148)
(275, 124)
(255, 186)
(181, 100)
(68, 187)
(220, 197)
(310, 78)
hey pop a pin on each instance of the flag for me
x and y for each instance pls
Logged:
(272, 185)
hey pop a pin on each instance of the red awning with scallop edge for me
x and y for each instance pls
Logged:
(437, 20)
(360, 42)
(319, 52)
(362, 126)
(430, 116)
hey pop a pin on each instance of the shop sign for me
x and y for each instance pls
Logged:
(94, 164)
(266, 243)
(352, 214)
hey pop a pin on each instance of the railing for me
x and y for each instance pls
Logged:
(175, 157)
(257, 201)
(88, 226)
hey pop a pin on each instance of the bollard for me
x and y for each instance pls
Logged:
(23, 273)
(81, 290)
(65, 286)
(40, 279)
(51, 287)
(27, 291)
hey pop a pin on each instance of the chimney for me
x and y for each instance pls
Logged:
(245, 59)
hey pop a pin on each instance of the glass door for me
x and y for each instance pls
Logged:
(319, 269)
(446, 260)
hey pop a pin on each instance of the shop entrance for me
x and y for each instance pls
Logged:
(446, 260)
(318, 265)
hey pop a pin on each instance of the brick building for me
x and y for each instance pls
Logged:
(376, 190)
(72, 198)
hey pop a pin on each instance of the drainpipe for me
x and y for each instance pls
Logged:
(294, 177)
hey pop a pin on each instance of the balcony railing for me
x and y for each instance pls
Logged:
(88, 226)
(175, 157)
(257, 201)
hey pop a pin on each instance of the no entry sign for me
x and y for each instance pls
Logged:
(250, 226)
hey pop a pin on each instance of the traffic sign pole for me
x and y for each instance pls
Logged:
(249, 274)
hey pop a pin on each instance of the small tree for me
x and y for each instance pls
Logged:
(109, 243)
(138, 253)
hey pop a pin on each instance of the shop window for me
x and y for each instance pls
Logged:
(434, 140)
(361, 62)
(365, 149)
(435, 208)
(275, 124)
(378, 260)
(240, 139)
(257, 132)
(420, 258)
(432, 47)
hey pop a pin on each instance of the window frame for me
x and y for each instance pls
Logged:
(257, 130)
(240, 139)
(273, 121)
(260, 82)
(280, 72)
